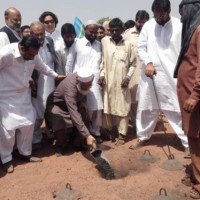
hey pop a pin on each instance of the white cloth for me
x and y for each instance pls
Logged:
(62, 53)
(4, 40)
(159, 45)
(23, 137)
(96, 117)
(85, 54)
(16, 109)
(146, 122)
(57, 38)
(45, 83)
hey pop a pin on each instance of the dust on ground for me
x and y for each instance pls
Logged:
(135, 179)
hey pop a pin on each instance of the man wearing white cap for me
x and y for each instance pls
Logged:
(63, 109)
(86, 52)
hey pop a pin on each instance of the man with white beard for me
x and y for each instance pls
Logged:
(64, 110)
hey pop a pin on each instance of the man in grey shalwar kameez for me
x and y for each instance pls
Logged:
(63, 109)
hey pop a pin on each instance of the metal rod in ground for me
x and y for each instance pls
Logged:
(170, 156)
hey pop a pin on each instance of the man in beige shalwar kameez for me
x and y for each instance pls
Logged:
(118, 63)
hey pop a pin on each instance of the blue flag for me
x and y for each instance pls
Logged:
(79, 28)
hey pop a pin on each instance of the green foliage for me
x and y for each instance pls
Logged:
(102, 20)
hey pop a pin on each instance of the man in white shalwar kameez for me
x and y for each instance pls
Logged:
(86, 52)
(17, 61)
(68, 34)
(158, 48)
(50, 22)
(45, 84)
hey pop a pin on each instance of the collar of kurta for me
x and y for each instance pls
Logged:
(134, 31)
(121, 41)
(14, 32)
(87, 42)
(53, 34)
(16, 50)
(166, 24)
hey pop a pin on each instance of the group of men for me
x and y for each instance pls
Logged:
(100, 81)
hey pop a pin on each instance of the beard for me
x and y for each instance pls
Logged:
(83, 92)
(14, 27)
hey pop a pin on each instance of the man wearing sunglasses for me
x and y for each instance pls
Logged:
(50, 21)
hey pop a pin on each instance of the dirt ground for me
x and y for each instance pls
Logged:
(135, 180)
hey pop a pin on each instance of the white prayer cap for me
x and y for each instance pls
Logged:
(85, 75)
(91, 22)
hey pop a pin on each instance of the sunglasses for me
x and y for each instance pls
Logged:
(49, 22)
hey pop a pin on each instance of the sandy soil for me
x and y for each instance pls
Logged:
(135, 180)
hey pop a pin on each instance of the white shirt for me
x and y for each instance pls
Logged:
(84, 54)
(4, 40)
(159, 45)
(57, 38)
(62, 54)
(45, 84)
(15, 102)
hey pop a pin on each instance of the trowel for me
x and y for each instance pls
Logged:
(103, 164)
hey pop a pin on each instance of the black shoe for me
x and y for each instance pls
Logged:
(30, 159)
(82, 148)
(60, 151)
(97, 138)
(36, 146)
(8, 167)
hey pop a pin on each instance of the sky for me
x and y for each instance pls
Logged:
(67, 10)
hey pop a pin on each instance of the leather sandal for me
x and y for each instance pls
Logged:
(194, 193)
(188, 180)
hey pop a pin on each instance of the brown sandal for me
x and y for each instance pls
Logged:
(194, 193)
(188, 180)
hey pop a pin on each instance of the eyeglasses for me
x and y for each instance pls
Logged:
(49, 22)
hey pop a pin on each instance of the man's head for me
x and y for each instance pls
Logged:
(116, 29)
(161, 10)
(129, 24)
(91, 30)
(106, 27)
(25, 30)
(49, 20)
(13, 19)
(38, 30)
(68, 34)
(85, 78)
(29, 47)
(189, 11)
(141, 17)
(100, 32)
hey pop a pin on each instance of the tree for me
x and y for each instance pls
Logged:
(102, 20)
